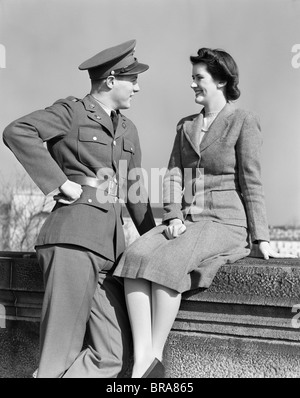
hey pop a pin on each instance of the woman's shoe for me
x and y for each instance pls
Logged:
(155, 371)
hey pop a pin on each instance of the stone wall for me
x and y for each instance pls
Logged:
(242, 326)
(21, 295)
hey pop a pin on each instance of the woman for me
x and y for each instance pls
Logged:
(213, 209)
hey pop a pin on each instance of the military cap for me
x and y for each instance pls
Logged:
(115, 61)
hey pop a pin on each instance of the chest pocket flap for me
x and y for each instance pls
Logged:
(88, 135)
(128, 146)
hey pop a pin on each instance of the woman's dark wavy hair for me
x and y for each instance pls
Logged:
(222, 67)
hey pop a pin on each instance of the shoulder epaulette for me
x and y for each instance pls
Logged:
(72, 98)
(64, 100)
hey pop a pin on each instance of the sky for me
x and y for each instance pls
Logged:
(42, 42)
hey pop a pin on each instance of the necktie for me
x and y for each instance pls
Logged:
(114, 119)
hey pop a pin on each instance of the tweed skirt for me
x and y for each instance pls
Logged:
(187, 262)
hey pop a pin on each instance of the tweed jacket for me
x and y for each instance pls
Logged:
(219, 178)
(80, 141)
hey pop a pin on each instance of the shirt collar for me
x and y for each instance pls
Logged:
(105, 107)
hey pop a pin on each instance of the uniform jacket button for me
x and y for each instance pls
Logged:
(90, 200)
(95, 138)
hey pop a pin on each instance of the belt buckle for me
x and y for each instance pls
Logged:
(112, 188)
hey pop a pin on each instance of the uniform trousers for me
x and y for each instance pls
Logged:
(82, 301)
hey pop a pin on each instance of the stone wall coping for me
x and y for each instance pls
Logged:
(248, 283)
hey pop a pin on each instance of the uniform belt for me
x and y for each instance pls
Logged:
(109, 186)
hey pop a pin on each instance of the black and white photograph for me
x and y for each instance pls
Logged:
(149, 191)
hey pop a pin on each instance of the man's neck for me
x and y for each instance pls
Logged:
(103, 102)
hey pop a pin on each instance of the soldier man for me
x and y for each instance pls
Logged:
(82, 239)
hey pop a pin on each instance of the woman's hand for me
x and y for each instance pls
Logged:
(267, 251)
(70, 192)
(175, 228)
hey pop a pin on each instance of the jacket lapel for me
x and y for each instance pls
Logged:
(97, 113)
(192, 131)
(217, 128)
(122, 126)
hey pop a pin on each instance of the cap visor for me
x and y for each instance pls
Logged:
(139, 68)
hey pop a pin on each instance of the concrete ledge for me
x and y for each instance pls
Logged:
(252, 297)
(240, 327)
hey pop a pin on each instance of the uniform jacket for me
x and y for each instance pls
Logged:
(80, 141)
(218, 179)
